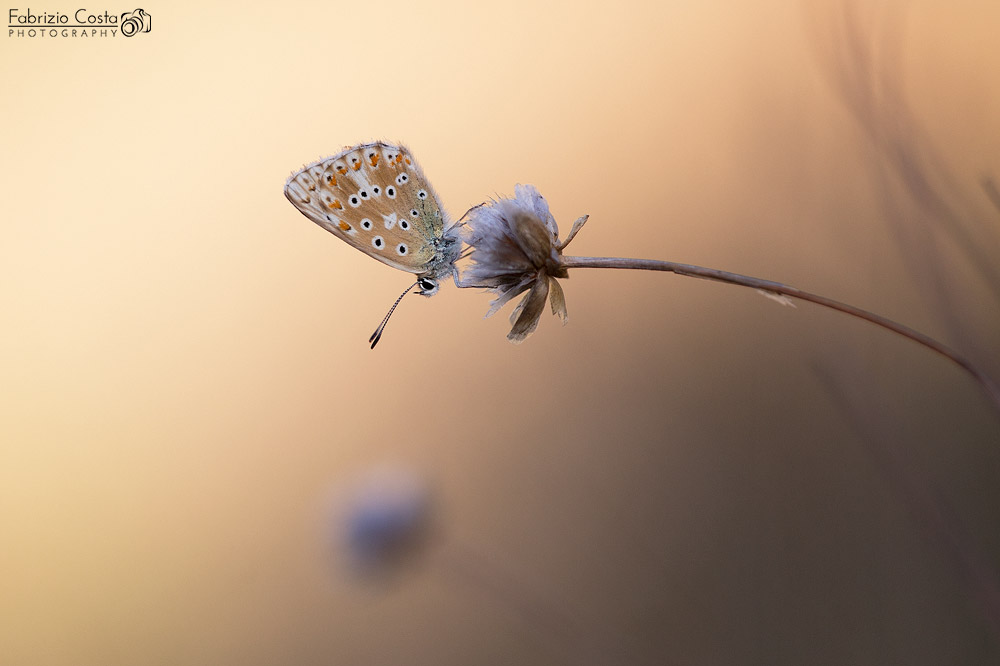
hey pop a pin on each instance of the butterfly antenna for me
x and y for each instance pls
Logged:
(377, 335)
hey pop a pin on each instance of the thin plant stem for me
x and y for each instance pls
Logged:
(987, 384)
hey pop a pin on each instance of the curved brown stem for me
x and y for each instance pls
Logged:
(984, 381)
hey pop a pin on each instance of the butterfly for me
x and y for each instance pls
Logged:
(375, 197)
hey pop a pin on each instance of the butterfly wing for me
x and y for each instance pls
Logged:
(375, 197)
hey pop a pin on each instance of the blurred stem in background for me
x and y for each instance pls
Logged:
(942, 229)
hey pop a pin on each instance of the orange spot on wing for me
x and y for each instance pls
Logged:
(357, 165)
(341, 170)
(399, 158)
(335, 204)
(408, 161)
(344, 226)
(375, 159)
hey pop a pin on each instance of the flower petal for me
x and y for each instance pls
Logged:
(557, 300)
(534, 202)
(506, 294)
(532, 238)
(531, 310)
(516, 312)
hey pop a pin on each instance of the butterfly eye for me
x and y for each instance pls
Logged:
(427, 286)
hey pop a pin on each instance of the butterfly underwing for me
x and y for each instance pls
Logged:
(375, 197)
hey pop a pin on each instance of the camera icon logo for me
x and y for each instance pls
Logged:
(135, 22)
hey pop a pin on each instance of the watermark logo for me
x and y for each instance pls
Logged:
(134, 22)
(81, 23)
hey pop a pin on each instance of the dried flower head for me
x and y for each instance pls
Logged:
(516, 248)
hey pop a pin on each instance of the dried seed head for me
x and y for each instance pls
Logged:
(516, 248)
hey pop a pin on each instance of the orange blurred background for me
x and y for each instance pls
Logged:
(687, 473)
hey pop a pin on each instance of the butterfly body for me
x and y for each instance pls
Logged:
(375, 197)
